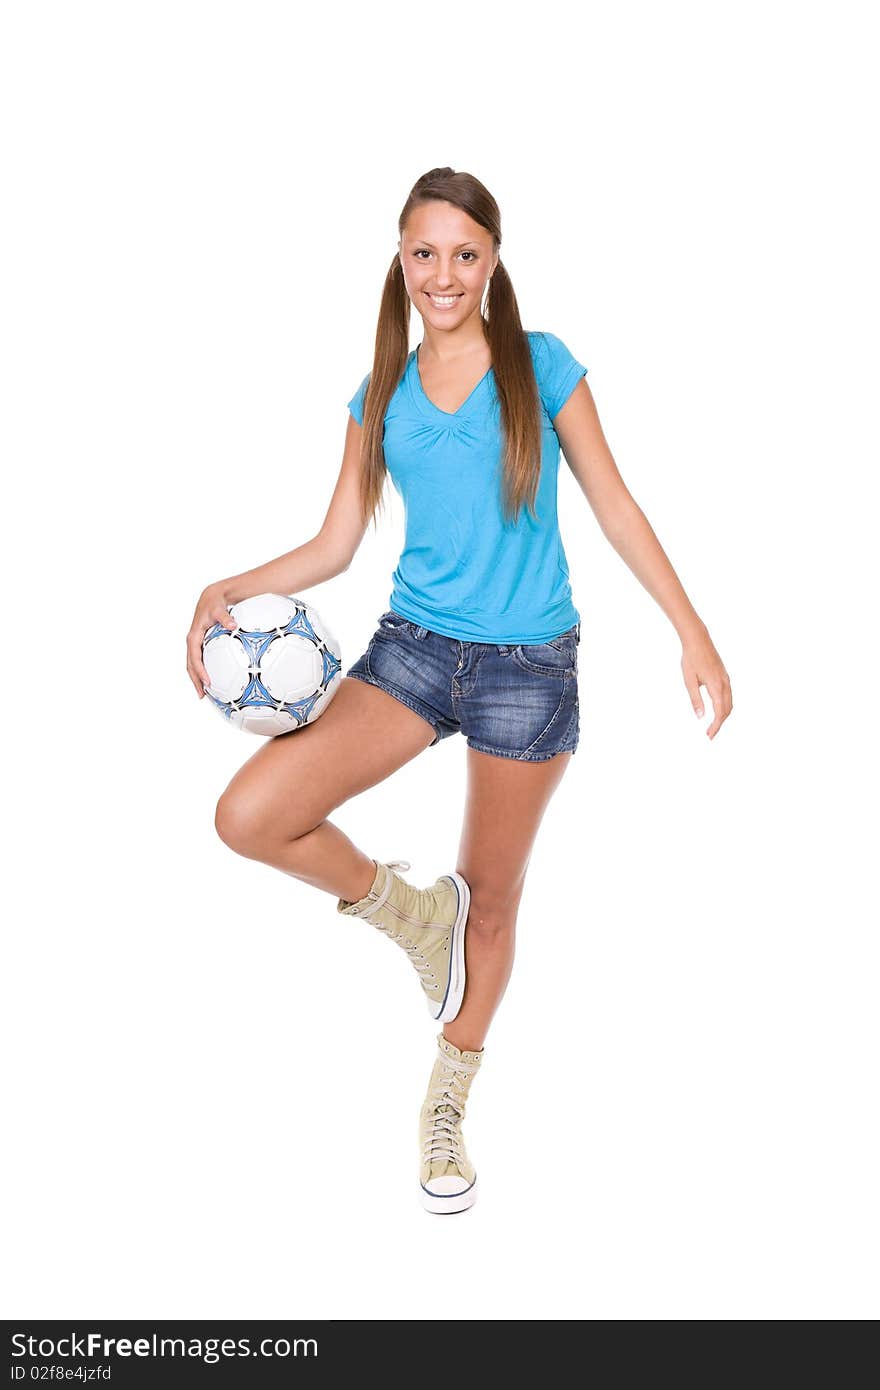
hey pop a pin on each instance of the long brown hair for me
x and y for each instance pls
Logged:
(511, 357)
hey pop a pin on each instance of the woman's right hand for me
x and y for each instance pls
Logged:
(210, 609)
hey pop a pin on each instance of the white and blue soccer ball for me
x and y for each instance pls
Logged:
(277, 671)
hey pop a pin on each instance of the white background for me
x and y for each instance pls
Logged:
(211, 1080)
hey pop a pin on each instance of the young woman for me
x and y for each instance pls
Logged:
(481, 636)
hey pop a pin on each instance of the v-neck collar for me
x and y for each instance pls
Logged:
(426, 399)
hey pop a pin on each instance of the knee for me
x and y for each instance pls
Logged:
(239, 823)
(491, 918)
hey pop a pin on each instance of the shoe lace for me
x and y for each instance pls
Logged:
(447, 1098)
(418, 959)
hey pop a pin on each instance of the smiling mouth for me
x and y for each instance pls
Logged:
(443, 299)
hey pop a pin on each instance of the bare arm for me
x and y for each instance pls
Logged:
(309, 564)
(627, 528)
(328, 553)
(621, 518)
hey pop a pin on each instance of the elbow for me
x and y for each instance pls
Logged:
(619, 516)
(333, 559)
(340, 559)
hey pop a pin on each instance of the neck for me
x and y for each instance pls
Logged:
(467, 339)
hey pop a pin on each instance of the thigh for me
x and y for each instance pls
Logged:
(294, 781)
(506, 800)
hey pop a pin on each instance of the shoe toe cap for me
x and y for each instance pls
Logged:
(448, 1186)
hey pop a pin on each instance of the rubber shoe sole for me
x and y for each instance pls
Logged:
(443, 1203)
(449, 1009)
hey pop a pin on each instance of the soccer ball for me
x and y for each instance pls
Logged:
(277, 671)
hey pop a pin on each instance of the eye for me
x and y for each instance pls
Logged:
(418, 251)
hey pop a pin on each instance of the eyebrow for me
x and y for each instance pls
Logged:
(421, 242)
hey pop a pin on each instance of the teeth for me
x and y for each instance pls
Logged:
(443, 299)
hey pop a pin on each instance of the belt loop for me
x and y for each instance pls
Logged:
(421, 632)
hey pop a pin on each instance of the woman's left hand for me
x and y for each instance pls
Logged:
(701, 665)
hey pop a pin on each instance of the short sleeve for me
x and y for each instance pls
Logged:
(356, 404)
(558, 372)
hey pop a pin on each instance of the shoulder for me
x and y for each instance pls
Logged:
(356, 404)
(549, 354)
(546, 347)
(556, 368)
(536, 344)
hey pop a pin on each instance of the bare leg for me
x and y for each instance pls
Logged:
(276, 805)
(505, 805)
(324, 857)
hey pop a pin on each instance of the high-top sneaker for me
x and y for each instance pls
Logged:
(447, 1178)
(428, 923)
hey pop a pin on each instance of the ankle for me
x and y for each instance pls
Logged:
(362, 883)
(465, 1042)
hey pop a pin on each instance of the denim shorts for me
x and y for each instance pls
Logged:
(517, 701)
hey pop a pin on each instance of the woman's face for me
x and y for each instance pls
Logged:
(445, 253)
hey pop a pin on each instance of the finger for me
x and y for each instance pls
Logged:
(195, 650)
(693, 689)
(204, 673)
(201, 668)
(725, 708)
(198, 675)
(719, 692)
(194, 663)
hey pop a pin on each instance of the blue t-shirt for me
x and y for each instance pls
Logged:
(463, 571)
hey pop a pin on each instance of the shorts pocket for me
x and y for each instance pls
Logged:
(555, 658)
(391, 623)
